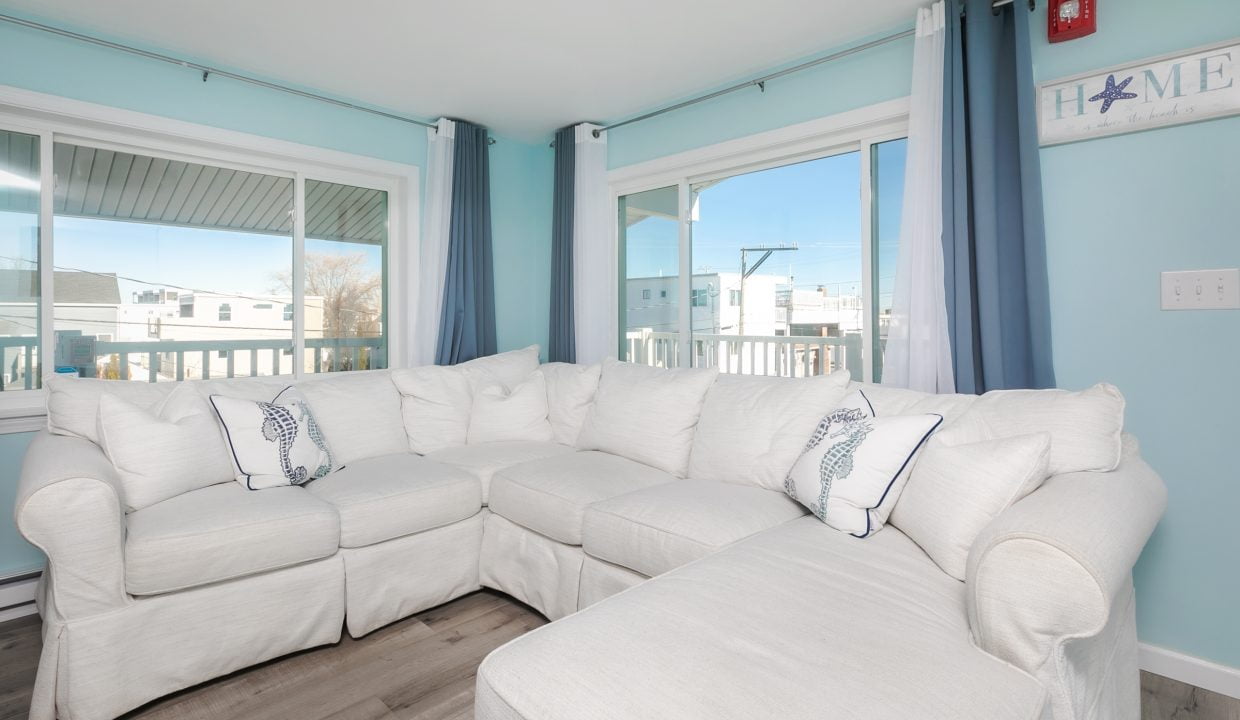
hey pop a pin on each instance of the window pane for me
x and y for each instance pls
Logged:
(19, 261)
(650, 265)
(162, 265)
(346, 263)
(777, 261)
(888, 172)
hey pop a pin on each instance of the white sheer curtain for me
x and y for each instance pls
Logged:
(594, 258)
(433, 253)
(918, 354)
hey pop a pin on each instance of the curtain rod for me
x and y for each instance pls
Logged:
(207, 70)
(761, 82)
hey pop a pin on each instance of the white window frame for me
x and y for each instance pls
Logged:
(57, 119)
(855, 130)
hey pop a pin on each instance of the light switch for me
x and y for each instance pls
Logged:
(1201, 289)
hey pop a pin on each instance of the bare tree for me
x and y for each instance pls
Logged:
(352, 295)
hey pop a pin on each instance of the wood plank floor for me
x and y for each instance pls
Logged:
(421, 668)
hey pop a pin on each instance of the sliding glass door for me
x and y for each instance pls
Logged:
(779, 268)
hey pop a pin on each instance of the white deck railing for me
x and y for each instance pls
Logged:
(777, 355)
(198, 358)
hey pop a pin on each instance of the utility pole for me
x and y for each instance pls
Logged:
(747, 270)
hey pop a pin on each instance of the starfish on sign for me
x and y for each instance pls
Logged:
(1113, 92)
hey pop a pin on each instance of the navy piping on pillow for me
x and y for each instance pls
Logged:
(867, 402)
(868, 528)
(237, 460)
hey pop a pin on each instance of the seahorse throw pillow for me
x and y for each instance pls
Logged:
(855, 464)
(273, 443)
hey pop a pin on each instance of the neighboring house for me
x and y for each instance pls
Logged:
(234, 323)
(762, 307)
(86, 304)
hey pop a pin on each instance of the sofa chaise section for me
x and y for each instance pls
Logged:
(800, 621)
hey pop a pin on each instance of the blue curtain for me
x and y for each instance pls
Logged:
(562, 339)
(994, 242)
(467, 326)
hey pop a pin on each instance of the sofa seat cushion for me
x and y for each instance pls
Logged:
(485, 459)
(550, 496)
(661, 528)
(222, 532)
(391, 496)
(798, 622)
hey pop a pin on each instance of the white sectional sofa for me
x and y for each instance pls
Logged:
(652, 498)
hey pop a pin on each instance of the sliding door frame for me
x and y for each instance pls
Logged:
(56, 119)
(854, 131)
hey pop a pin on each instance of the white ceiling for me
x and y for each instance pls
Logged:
(521, 68)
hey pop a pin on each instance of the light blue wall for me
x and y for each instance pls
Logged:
(521, 190)
(520, 186)
(1119, 211)
(869, 77)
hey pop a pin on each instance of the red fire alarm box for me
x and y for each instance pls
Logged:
(1071, 19)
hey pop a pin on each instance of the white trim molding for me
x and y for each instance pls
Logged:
(17, 596)
(1191, 670)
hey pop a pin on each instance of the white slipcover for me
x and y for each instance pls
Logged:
(223, 532)
(550, 496)
(485, 459)
(533, 568)
(385, 497)
(663, 527)
(358, 412)
(600, 580)
(753, 428)
(798, 622)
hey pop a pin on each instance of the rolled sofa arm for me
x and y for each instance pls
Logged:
(1049, 568)
(69, 505)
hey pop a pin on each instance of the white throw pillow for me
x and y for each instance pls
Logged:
(499, 415)
(753, 428)
(435, 405)
(509, 369)
(73, 402)
(646, 414)
(1086, 427)
(956, 490)
(273, 443)
(855, 464)
(359, 411)
(161, 453)
(570, 392)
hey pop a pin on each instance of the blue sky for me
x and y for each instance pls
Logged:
(814, 204)
(165, 255)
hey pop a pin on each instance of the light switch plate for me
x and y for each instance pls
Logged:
(1201, 289)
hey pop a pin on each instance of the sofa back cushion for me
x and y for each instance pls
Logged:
(436, 400)
(647, 414)
(507, 368)
(358, 412)
(500, 415)
(570, 393)
(1086, 427)
(753, 428)
(162, 452)
(435, 405)
(887, 400)
(956, 490)
(73, 403)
